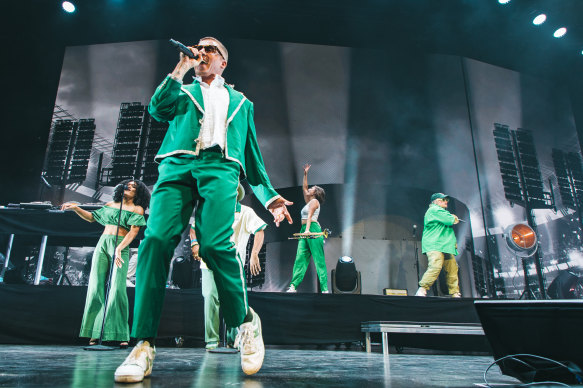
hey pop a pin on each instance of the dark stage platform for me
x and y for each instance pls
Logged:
(52, 315)
(70, 366)
(39, 327)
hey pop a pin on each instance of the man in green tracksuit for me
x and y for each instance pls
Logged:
(440, 245)
(209, 146)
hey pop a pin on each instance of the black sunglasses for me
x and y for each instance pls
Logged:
(209, 49)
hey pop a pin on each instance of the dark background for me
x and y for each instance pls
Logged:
(36, 32)
(493, 43)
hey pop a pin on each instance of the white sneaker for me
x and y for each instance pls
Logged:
(137, 365)
(249, 341)
(291, 288)
(421, 292)
(456, 295)
(326, 292)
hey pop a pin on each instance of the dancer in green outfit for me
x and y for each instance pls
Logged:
(246, 223)
(209, 146)
(314, 197)
(440, 245)
(136, 198)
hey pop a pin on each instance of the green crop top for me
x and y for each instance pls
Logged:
(109, 216)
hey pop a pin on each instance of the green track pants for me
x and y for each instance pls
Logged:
(315, 248)
(211, 310)
(212, 181)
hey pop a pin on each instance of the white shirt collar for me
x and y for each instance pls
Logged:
(218, 81)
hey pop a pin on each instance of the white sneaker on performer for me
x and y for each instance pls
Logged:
(326, 292)
(249, 341)
(421, 292)
(291, 288)
(456, 295)
(137, 365)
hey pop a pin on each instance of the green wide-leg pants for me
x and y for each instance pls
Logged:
(315, 248)
(211, 307)
(211, 310)
(212, 181)
(116, 318)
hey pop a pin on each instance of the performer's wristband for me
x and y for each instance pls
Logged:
(193, 243)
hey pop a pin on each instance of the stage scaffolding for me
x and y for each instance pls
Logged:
(522, 180)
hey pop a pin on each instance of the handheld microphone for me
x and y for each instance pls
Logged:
(183, 49)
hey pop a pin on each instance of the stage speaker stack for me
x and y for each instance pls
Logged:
(543, 329)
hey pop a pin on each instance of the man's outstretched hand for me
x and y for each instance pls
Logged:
(279, 210)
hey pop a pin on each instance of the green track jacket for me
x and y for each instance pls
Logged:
(438, 232)
(183, 107)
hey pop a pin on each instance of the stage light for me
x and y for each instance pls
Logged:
(504, 1)
(68, 6)
(345, 278)
(560, 32)
(346, 259)
(540, 19)
(521, 239)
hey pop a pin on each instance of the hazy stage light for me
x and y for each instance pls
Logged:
(346, 259)
(540, 19)
(575, 258)
(560, 32)
(68, 6)
(504, 1)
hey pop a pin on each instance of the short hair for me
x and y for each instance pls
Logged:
(221, 47)
(142, 197)
(320, 194)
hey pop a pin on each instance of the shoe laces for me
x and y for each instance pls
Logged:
(245, 338)
(140, 354)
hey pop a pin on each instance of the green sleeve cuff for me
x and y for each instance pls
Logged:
(262, 227)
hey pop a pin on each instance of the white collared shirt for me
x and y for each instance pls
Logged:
(216, 105)
(246, 223)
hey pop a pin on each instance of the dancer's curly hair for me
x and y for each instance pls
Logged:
(320, 194)
(142, 197)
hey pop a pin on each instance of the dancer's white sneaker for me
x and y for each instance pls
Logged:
(249, 341)
(421, 292)
(291, 288)
(137, 365)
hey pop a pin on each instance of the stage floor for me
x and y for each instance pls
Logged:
(71, 366)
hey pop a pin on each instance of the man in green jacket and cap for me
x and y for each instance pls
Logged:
(210, 145)
(440, 245)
